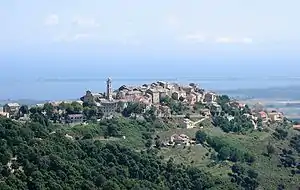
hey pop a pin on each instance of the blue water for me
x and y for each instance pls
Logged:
(68, 77)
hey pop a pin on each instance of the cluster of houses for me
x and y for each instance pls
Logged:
(259, 113)
(267, 116)
(181, 139)
(153, 93)
(112, 101)
(148, 94)
(10, 109)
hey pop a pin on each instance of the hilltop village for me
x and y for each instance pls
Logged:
(162, 99)
(148, 95)
(178, 124)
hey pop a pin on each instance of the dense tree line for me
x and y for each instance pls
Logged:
(225, 150)
(246, 179)
(134, 108)
(239, 124)
(224, 102)
(34, 158)
(59, 113)
(280, 134)
(295, 142)
(177, 107)
(141, 109)
(288, 157)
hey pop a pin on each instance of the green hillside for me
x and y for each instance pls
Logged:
(131, 153)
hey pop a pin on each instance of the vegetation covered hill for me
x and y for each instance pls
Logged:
(130, 152)
(268, 159)
(34, 157)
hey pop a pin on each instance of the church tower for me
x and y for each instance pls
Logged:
(109, 90)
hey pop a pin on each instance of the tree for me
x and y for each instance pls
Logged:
(100, 113)
(198, 106)
(148, 143)
(259, 123)
(280, 134)
(92, 112)
(158, 143)
(247, 109)
(237, 168)
(270, 149)
(77, 107)
(252, 174)
(135, 108)
(110, 185)
(149, 115)
(188, 115)
(223, 99)
(39, 118)
(224, 153)
(113, 130)
(24, 109)
(49, 109)
(35, 109)
(69, 109)
(166, 101)
(201, 136)
(55, 117)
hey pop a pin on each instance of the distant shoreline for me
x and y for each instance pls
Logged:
(280, 93)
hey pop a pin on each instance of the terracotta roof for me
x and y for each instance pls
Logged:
(242, 105)
(296, 126)
(262, 114)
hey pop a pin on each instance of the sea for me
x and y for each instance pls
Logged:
(60, 78)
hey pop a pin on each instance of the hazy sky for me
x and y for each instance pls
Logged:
(137, 24)
(60, 38)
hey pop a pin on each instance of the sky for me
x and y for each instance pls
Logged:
(54, 39)
(138, 26)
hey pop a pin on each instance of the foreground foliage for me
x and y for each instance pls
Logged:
(34, 157)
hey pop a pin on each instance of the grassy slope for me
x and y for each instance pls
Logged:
(269, 174)
(128, 127)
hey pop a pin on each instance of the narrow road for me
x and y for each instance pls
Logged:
(182, 116)
(193, 124)
(199, 121)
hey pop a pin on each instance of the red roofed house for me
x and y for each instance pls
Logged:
(179, 139)
(241, 105)
(296, 127)
(263, 115)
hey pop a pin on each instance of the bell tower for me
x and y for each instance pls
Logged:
(109, 90)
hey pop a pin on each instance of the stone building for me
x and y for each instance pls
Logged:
(210, 97)
(155, 95)
(275, 116)
(91, 98)
(11, 108)
(109, 90)
(106, 103)
(191, 99)
(74, 118)
(109, 107)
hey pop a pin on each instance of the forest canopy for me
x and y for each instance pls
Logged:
(32, 156)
